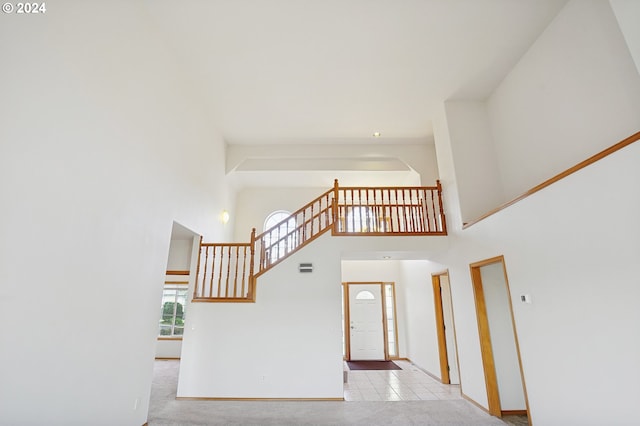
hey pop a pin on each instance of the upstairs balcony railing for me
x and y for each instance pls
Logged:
(390, 211)
(227, 272)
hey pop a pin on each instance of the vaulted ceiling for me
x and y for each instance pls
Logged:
(311, 71)
(334, 72)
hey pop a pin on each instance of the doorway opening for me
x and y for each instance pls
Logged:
(174, 306)
(369, 321)
(504, 377)
(445, 326)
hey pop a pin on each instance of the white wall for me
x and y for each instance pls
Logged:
(168, 349)
(627, 13)
(179, 258)
(286, 345)
(295, 322)
(253, 205)
(477, 171)
(574, 93)
(572, 358)
(103, 146)
(422, 337)
(419, 154)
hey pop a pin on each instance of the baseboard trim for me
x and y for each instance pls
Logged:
(428, 373)
(486, 410)
(201, 398)
(514, 412)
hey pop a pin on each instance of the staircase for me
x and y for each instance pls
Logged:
(227, 272)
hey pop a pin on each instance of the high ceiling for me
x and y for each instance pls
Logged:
(316, 71)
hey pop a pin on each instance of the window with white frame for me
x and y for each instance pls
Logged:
(172, 311)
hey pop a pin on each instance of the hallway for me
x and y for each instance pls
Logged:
(408, 384)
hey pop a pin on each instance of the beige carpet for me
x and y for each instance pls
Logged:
(165, 410)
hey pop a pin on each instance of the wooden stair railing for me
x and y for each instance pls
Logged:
(291, 234)
(227, 272)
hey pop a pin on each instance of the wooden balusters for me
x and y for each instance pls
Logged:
(289, 235)
(442, 221)
(389, 211)
(221, 257)
(195, 287)
(227, 271)
(212, 275)
(222, 271)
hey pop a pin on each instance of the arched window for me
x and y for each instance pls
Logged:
(282, 238)
(365, 295)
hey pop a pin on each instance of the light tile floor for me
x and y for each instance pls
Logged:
(408, 384)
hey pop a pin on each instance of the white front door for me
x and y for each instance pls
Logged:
(365, 322)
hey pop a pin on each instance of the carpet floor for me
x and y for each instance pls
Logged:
(165, 410)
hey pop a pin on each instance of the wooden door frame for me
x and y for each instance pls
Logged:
(442, 340)
(347, 317)
(488, 363)
(440, 327)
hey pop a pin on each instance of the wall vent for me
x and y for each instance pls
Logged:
(305, 267)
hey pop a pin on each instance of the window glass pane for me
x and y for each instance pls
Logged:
(344, 343)
(283, 238)
(391, 332)
(172, 310)
(365, 295)
(360, 219)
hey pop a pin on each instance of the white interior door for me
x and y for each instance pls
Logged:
(365, 322)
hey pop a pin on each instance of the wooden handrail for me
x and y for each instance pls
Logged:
(581, 165)
(227, 272)
(299, 211)
(307, 227)
(372, 188)
(225, 244)
(394, 210)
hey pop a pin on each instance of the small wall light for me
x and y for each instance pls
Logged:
(224, 216)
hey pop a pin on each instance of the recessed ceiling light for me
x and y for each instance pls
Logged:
(376, 134)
